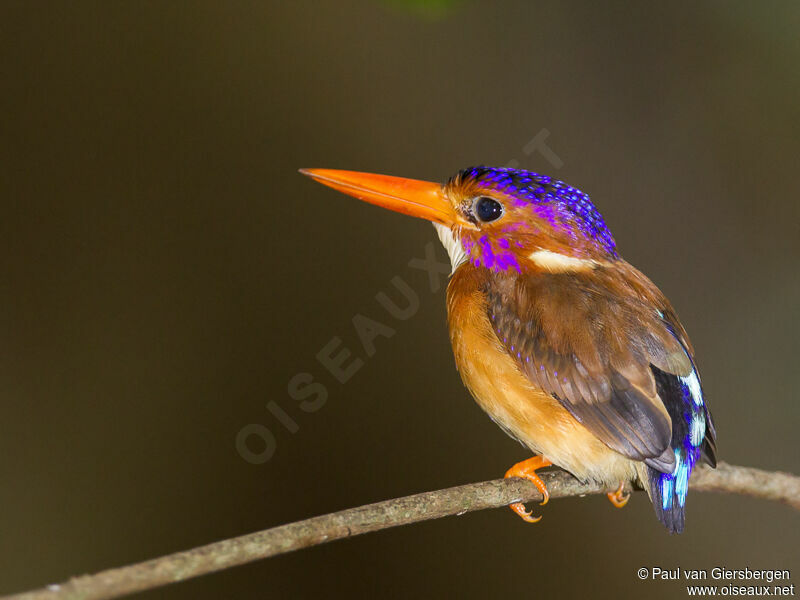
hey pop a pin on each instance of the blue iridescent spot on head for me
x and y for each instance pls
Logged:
(566, 208)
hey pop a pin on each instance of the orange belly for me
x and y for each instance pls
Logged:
(521, 408)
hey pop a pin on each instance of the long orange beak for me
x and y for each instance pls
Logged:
(408, 196)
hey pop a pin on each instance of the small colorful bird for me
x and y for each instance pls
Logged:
(567, 347)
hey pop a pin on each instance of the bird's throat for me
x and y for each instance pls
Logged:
(453, 246)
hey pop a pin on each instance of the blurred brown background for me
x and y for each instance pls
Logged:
(165, 272)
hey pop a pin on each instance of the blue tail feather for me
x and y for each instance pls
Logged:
(692, 437)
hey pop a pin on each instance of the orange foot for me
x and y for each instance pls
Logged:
(618, 498)
(527, 470)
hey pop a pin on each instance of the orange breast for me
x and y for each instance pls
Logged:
(521, 408)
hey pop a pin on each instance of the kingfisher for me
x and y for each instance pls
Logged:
(568, 348)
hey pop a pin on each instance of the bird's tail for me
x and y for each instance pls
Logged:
(693, 439)
(667, 492)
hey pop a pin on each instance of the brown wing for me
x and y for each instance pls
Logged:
(590, 338)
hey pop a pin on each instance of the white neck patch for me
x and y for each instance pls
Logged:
(559, 263)
(453, 246)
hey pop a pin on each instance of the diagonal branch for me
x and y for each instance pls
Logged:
(217, 556)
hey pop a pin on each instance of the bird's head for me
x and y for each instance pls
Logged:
(496, 218)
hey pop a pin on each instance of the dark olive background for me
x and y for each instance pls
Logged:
(166, 272)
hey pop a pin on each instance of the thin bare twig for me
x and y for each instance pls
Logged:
(181, 566)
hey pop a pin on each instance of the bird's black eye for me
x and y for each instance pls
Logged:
(487, 209)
